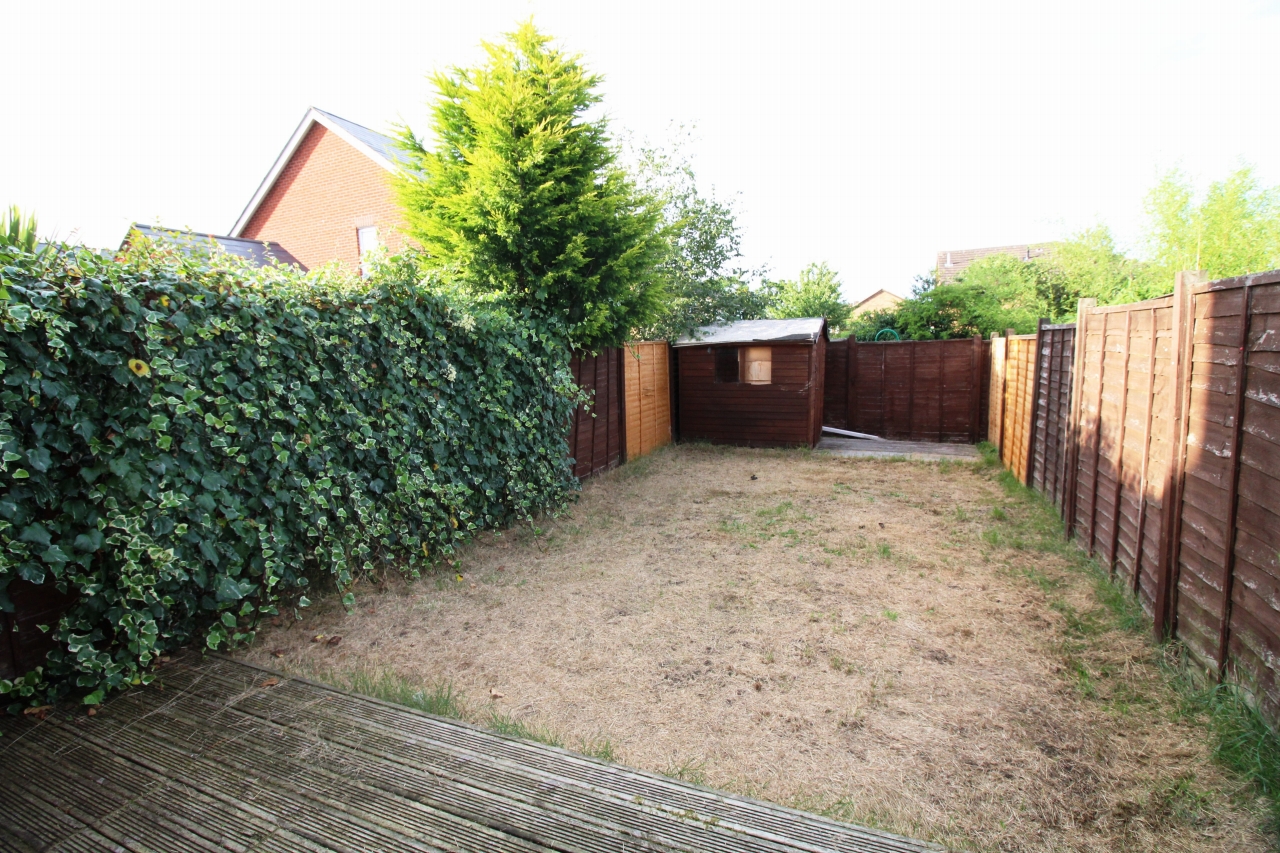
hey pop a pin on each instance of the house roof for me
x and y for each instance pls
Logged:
(951, 263)
(805, 330)
(259, 252)
(380, 148)
(893, 296)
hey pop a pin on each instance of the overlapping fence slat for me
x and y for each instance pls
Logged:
(1055, 353)
(595, 436)
(911, 390)
(647, 401)
(1018, 402)
(1166, 465)
(1125, 432)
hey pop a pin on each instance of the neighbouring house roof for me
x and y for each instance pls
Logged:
(378, 147)
(806, 330)
(952, 263)
(260, 252)
(878, 300)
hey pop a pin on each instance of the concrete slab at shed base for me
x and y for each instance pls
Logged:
(919, 451)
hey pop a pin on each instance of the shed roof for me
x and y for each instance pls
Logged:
(804, 330)
(259, 252)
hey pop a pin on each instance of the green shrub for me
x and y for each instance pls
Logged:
(187, 442)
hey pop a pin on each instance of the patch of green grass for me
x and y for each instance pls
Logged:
(691, 770)
(885, 551)
(440, 698)
(1244, 742)
(505, 724)
(999, 514)
(891, 615)
(776, 511)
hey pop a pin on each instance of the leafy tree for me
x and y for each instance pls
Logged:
(704, 286)
(1233, 230)
(868, 324)
(994, 294)
(1090, 265)
(816, 293)
(524, 193)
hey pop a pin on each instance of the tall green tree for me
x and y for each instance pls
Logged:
(816, 293)
(1234, 229)
(522, 194)
(705, 284)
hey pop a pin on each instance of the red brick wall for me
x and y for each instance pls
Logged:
(326, 191)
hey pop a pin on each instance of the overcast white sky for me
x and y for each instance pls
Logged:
(867, 135)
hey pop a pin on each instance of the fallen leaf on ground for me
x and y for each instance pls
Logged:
(93, 712)
(333, 641)
(279, 653)
(270, 682)
(40, 711)
(318, 638)
(495, 694)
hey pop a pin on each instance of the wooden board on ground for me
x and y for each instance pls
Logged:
(926, 451)
(219, 755)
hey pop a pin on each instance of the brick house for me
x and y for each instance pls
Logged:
(951, 264)
(881, 300)
(328, 195)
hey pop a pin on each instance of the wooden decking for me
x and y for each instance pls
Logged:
(219, 755)
(915, 450)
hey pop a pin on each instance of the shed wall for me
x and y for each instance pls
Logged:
(780, 414)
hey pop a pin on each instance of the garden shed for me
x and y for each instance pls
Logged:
(756, 383)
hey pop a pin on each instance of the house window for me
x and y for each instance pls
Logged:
(367, 238)
(726, 364)
(756, 365)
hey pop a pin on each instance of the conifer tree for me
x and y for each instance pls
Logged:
(522, 195)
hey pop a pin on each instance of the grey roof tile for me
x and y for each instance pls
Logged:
(258, 251)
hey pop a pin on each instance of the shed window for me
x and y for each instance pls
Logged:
(726, 364)
(756, 365)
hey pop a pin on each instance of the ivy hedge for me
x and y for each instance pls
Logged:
(189, 442)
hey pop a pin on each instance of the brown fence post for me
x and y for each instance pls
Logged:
(1072, 488)
(1233, 495)
(1165, 605)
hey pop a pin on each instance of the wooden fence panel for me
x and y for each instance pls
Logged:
(1253, 639)
(835, 389)
(1167, 466)
(912, 390)
(1019, 392)
(647, 399)
(1050, 432)
(1123, 429)
(595, 434)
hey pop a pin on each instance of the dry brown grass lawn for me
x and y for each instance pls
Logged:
(865, 638)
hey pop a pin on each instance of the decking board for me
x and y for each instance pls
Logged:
(221, 755)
